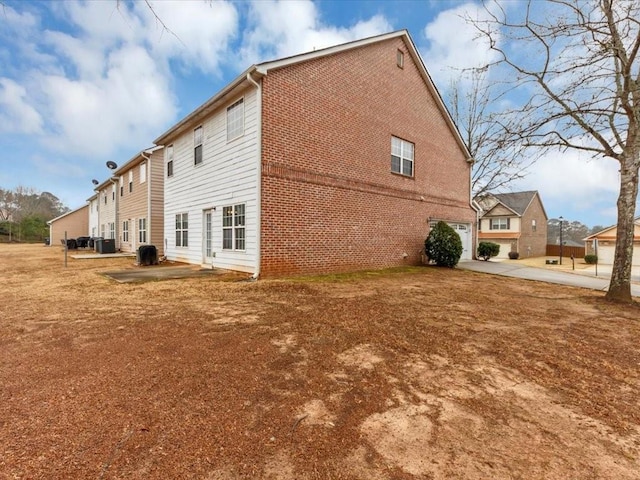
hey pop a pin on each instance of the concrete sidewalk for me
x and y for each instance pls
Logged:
(584, 279)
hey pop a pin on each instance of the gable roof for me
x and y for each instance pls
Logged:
(610, 228)
(136, 159)
(517, 202)
(256, 72)
(49, 222)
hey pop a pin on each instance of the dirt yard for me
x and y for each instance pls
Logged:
(423, 373)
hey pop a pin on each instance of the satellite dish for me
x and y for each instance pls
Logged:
(95, 182)
(112, 165)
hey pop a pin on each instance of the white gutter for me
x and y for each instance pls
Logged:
(256, 273)
(148, 196)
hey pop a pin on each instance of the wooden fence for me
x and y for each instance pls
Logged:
(567, 251)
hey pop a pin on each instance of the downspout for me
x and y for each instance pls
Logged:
(475, 207)
(256, 272)
(114, 182)
(149, 230)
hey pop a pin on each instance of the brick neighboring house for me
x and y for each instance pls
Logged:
(334, 160)
(140, 210)
(75, 223)
(515, 221)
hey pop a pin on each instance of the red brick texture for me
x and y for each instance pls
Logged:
(329, 200)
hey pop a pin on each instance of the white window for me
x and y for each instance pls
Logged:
(401, 157)
(143, 172)
(142, 230)
(400, 58)
(170, 161)
(182, 230)
(112, 230)
(125, 231)
(233, 227)
(534, 227)
(121, 182)
(235, 120)
(197, 146)
(102, 230)
(499, 224)
(130, 181)
(113, 192)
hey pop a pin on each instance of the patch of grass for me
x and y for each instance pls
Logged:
(359, 275)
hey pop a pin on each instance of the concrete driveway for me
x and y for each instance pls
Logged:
(585, 278)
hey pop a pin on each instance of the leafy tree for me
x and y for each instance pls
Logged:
(486, 250)
(443, 245)
(571, 230)
(576, 64)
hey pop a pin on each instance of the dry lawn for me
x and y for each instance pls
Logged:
(423, 373)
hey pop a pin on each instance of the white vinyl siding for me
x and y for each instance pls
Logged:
(228, 176)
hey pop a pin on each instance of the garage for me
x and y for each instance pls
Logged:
(606, 252)
(464, 232)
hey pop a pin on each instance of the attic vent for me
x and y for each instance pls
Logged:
(400, 58)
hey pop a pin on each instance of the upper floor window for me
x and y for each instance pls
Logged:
(400, 58)
(143, 172)
(130, 181)
(402, 156)
(499, 224)
(121, 185)
(170, 161)
(197, 146)
(235, 120)
(534, 227)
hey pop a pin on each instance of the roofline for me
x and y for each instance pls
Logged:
(137, 158)
(263, 68)
(610, 227)
(49, 222)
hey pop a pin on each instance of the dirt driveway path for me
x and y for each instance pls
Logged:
(424, 373)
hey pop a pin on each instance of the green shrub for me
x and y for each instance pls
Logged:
(443, 245)
(486, 250)
(514, 255)
(591, 259)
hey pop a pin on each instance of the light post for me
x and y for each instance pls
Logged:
(561, 222)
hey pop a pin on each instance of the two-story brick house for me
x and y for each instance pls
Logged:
(515, 221)
(334, 160)
(140, 201)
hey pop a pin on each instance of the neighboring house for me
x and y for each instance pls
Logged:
(515, 221)
(140, 201)
(108, 209)
(75, 223)
(94, 205)
(334, 160)
(606, 243)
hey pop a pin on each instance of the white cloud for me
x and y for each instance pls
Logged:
(279, 29)
(17, 115)
(453, 44)
(125, 107)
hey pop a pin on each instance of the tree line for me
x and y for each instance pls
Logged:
(24, 213)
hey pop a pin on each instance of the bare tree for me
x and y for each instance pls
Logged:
(498, 163)
(577, 63)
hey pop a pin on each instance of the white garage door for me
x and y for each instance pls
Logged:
(464, 231)
(505, 248)
(606, 253)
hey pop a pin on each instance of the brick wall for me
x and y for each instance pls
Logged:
(329, 199)
(533, 244)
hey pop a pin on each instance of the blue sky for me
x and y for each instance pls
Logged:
(82, 83)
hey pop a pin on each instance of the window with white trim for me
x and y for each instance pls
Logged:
(402, 156)
(182, 230)
(121, 182)
(130, 181)
(499, 224)
(125, 231)
(534, 226)
(235, 120)
(143, 172)
(197, 146)
(113, 192)
(170, 161)
(233, 227)
(142, 230)
(112, 230)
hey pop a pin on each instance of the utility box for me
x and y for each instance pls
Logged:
(147, 255)
(105, 245)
